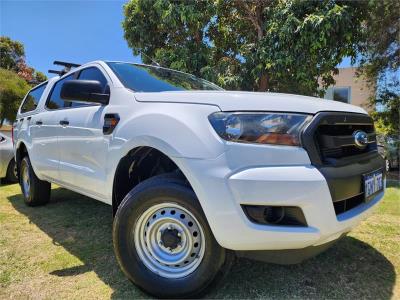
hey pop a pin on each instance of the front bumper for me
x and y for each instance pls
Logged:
(222, 190)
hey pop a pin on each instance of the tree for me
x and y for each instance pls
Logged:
(381, 44)
(286, 46)
(12, 90)
(12, 57)
(39, 77)
(15, 77)
(387, 119)
(24, 71)
(380, 62)
(11, 53)
(31, 76)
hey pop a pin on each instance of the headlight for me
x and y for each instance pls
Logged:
(260, 128)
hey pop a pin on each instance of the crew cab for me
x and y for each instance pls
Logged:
(197, 175)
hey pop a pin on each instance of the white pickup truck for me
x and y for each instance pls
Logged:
(196, 174)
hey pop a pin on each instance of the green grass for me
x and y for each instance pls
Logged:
(64, 250)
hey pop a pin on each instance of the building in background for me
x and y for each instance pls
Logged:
(350, 89)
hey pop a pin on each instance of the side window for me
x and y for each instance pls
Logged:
(91, 73)
(55, 101)
(32, 99)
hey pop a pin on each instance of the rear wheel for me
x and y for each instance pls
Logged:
(11, 175)
(163, 242)
(35, 191)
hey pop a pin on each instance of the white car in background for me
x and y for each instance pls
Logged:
(196, 174)
(8, 169)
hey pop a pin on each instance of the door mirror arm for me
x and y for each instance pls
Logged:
(99, 98)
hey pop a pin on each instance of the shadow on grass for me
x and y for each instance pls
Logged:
(5, 182)
(83, 227)
(393, 183)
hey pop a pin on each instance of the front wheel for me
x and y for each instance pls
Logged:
(35, 191)
(163, 242)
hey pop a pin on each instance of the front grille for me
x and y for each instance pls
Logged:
(339, 152)
(330, 137)
(337, 140)
(328, 140)
(347, 204)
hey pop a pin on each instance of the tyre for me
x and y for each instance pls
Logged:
(35, 191)
(163, 242)
(11, 175)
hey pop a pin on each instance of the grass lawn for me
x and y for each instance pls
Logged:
(64, 250)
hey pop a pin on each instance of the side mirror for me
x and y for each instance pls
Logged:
(87, 91)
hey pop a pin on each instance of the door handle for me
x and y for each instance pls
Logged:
(64, 122)
(29, 118)
(39, 123)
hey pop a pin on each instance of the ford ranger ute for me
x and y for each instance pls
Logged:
(197, 175)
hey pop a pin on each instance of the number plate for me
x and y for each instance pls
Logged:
(373, 183)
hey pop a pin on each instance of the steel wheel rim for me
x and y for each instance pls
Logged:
(149, 237)
(26, 183)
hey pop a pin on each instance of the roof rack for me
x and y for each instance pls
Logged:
(56, 72)
(67, 67)
(66, 64)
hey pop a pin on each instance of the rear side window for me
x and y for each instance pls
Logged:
(32, 99)
(55, 101)
(91, 73)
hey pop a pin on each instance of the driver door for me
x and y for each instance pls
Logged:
(83, 146)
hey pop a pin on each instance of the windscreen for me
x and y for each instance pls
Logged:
(141, 78)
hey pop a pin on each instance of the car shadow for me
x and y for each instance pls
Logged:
(5, 182)
(83, 227)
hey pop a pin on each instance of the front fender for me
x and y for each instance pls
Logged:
(183, 129)
(177, 130)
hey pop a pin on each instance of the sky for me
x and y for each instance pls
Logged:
(74, 31)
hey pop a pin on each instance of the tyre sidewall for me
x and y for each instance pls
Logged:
(39, 191)
(136, 203)
(25, 163)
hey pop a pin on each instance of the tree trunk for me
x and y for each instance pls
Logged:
(263, 82)
(253, 12)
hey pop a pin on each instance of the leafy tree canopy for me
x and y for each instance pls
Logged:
(39, 77)
(380, 63)
(12, 57)
(11, 53)
(388, 119)
(381, 45)
(286, 46)
(12, 90)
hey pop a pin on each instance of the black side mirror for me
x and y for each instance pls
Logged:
(87, 91)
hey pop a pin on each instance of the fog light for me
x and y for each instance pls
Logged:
(275, 215)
